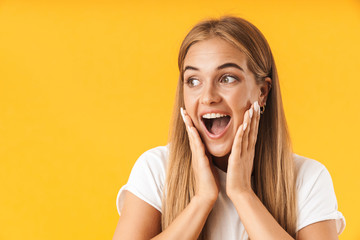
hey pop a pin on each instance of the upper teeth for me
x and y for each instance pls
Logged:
(213, 115)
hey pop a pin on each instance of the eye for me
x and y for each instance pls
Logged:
(192, 82)
(228, 79)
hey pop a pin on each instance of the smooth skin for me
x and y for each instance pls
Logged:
(141, 221)
(233, 90)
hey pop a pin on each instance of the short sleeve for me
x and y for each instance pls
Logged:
(146, 179)
(316, 196)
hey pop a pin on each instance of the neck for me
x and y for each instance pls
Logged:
(221, 162)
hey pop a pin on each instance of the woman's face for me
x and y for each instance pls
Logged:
(218, 89)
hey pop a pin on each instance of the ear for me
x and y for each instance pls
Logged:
(264, 91)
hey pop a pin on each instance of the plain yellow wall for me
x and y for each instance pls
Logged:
(87, 86)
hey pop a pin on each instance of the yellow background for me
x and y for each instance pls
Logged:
(87, 86)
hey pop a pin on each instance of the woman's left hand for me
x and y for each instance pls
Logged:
(241, 159)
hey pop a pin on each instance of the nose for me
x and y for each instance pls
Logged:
(209, 95)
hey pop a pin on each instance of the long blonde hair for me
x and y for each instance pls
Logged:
(273, 173)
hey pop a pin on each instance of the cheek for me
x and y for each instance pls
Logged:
(187, 100)
(239, 106)
(238, 103)
(190, 104)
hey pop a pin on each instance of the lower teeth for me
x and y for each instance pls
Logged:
(217, 125)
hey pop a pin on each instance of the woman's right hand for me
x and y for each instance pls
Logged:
(206, 176)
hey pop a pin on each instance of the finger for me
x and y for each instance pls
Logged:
(182, 114)
(195, 133)
(246, 130)
(186, 118)
(199, 159)
(253, 130)
(198, 144)
(188, 130)
(187, 126)
(236, 147)
(257, 109)
(191, 138)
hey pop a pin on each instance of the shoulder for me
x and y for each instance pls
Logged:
(151, 165)
(154, 159)
(147, 178)
(160, 153)
(316, 197)
(308, 170)
(313, 179)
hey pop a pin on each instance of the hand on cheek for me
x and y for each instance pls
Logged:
(241, 159)
(207, 184)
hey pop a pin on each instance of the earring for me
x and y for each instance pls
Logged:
(262, 109)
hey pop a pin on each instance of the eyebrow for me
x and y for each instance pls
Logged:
(225, 65)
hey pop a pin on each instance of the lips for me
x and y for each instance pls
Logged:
(215, 124)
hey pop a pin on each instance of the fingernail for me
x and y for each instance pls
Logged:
(188, 128)
(244, 127)
(251, 113)
(256, 106)
(182, 114)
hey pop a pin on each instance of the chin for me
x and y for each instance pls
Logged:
(218, 150)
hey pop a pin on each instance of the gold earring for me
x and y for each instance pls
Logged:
(262, 109)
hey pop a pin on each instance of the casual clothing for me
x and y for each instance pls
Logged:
(316, 197)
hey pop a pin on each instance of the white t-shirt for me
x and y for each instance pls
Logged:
(316, 197)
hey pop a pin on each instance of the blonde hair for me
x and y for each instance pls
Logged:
(273, 173)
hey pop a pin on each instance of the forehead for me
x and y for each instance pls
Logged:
(214, 52)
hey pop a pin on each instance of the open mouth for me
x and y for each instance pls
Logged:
(216, 123)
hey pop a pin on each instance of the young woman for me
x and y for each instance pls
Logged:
(228, 171)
